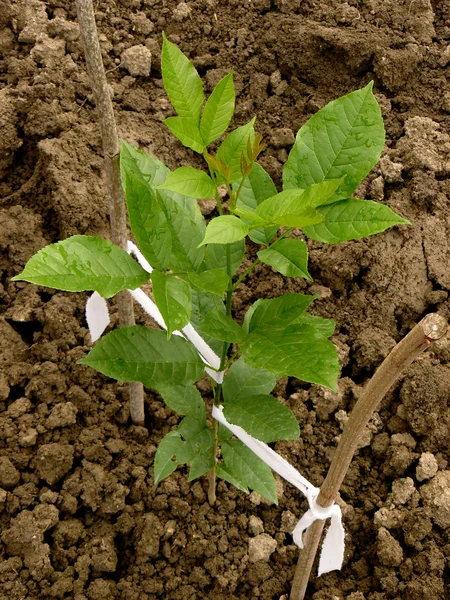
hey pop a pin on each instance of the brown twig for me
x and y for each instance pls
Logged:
(430, 329)
(111, 150)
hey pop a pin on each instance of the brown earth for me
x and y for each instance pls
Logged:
(79, 513)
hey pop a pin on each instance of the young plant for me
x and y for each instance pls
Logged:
(192, 267)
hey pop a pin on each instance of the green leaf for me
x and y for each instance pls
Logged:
(242, 381)
(224, 433)
(201, 464)
(167, 226)
(213, 280)
(293, 351)
(183, 399)
(181, 81)
(257, 187)
(223, 473)
(352, 219)
(250, 470)
(221, 327)
(173, 298)
(186, 130)
(297, 208)
(225, 229)
(199, 441)
(280, 311)
(190, 182)
(138, 353)
(288, 256)
(263, 417)
(165, 458)
(216, 256)
(346, 137)
(231, 149)
(218, 110)
(320, 325)
(202, 304)
(84, 263)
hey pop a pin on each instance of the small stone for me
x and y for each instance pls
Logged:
(436, 497)
(137, 60)
(141, 24)
(288, 521)
(18, 408)
(388, 518)
(9, 475)
(445, 57)
(392, 172)
(403, 439)
(427, 467)
(49, 52)
(147, 545)
(67, 30)
(53, 461)
(4, 388)
(62, 415)
(28, 438)
(282, 137)
(346, 14)
(261, 547)
(49, 497)
(255, 498)
(181, 12)
(402, 490)
(275, 79)
(255, 525)
(389, 551)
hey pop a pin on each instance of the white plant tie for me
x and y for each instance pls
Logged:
(97, 316)
(332, 555)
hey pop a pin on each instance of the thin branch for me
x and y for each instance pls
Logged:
(430, 329)
(111, 150)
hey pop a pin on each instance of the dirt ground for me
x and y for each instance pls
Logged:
(80, 516)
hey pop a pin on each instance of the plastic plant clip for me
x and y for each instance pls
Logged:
(333, 546)
(97, 316)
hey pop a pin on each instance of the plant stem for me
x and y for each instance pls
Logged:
(218, 389)
(111, 150)
(430, 329)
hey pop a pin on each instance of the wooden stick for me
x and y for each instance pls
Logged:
(430, 329)
(111, 150)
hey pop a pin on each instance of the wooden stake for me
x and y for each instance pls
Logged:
(430, 329)
(111, 150)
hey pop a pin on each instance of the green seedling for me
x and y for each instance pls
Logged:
(195, 265)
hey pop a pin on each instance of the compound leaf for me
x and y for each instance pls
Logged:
(213, 280)
(231, 149)
(165, 458)
(167, 226)
(218, 110)
(345, 137)
(242, 381)
(352, 219)
(264, 417)
(296, 207)
(247, 468)
(173, 298)
(181, 81)
(186, 130)
(297, 350)
(182, 399)
(223, 472)
(84, 263)
(221, 327)
(138, 353)
(277, 312)
(288, 256)
(225, 229)
(191, 182)
(257, 187)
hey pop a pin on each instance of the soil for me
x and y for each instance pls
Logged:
(80, 516)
